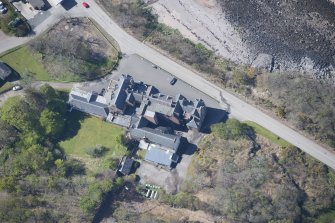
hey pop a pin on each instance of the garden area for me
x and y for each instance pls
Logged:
(73, 50)
(63, 164)
(12, 22)
(24, 63)
(93, 141)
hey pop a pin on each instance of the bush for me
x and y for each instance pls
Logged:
(97, 151)
(96, 192)
(232, 129)
(181, 200)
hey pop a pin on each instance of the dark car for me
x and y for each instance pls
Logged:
(173, 81)
(85, 5)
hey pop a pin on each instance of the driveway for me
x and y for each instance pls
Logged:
(172, 180)
(36, 85)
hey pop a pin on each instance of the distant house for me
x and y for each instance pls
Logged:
(126, 165)
(88, 102)
(37, 4)
(5, 71)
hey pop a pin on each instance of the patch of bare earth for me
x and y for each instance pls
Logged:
(169, 213)
(82, 29)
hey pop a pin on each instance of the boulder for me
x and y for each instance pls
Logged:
(264, 61)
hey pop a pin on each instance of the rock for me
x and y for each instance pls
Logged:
(307, 64)
(263, 61)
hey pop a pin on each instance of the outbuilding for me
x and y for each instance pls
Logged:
(126, 165)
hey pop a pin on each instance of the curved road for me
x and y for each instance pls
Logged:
(238, 108)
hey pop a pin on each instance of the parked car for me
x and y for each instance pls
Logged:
(173, 81)
(17, 87)
(85, 5)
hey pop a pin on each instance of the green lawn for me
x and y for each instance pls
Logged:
(267, 134)
(23, 62)
(87, 132)
(5, 87)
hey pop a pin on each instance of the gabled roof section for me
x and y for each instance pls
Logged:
(169, 141)
(161, 156)
(120, 94)
(126, 165)
(39, 4)
(89, 102)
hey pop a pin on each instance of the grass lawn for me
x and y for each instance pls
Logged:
(267, 134)
(23, 62)
(86, 132)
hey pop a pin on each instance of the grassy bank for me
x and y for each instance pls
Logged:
(267, 134)
(23, 62)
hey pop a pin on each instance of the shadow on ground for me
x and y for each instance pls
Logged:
(213, 116)
(126, 193)
(73, 124)
(186, 148)
(69, 4)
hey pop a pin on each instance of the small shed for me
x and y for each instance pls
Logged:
(126, 165)
(5, 71)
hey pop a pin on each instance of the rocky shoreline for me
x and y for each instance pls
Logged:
(299, 34)
(294, 36)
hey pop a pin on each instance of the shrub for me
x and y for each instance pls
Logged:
(97, 151)
(232, 129)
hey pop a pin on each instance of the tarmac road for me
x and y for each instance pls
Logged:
(238, 108)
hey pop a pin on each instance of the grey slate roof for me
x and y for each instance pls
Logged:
(126, 165)
(5, 71)
(160, 156)
(88, 103)
(39, 4)
(198, 111)
(157, 137)
(138, 122)
(120, 94)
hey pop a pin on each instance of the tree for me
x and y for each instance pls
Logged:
(48, 92)
(232, 129)
(35, 100)
(18, 113)
(31, 160)
(8, 135)
(52, 123)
